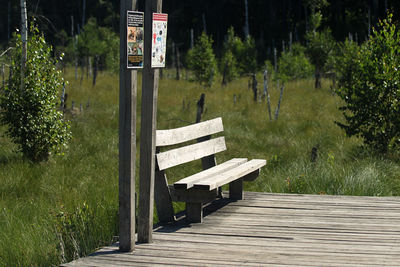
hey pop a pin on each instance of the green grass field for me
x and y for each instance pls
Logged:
(58, 210)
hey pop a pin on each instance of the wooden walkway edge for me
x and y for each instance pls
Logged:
(273, 230)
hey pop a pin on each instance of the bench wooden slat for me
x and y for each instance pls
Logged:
(188, 182)
(187, 133)
(189, 153)
(231, 175)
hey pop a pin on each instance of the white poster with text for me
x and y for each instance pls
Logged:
(159, 41)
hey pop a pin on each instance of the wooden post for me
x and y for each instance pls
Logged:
(148, 129)
(127, 138)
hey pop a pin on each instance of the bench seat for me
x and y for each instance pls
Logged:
(202, 187)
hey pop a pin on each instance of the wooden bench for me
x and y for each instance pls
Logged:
(202, 187)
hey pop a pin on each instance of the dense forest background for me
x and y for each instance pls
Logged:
(270, 22)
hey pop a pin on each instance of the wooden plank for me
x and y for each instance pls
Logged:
(292, 231)
(189, 153)
(188, 182)
(187, 133)
(127, 138)
(231, 175)
(148, 129)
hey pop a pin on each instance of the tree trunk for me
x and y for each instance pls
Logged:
(254, 86)
(279, 102)
(96, 68)
(177, 64)
(204, 23)
(224, 82)
(24, 37)
(317, 77)
(9, 21)
(246, 16)
(266, 93)
(200, 107)
(191, 38)
(83, 12)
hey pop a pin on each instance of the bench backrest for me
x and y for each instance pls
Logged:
(177, 156)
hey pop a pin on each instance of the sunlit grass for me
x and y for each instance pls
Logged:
(66, 207)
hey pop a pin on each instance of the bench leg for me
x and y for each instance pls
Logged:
(194, 212)
(236, 189)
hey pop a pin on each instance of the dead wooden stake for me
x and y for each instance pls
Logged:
(200, 107)
(254, 86)
(266, 93)
(279, 102)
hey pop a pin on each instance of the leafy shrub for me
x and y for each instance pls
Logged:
(201, 60)
(370, 87)
(294, 64)
(248, 57)
(31, 115)
(320, 44)
(229, 64)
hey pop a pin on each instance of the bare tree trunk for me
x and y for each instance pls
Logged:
(317, 77)
(266, 93)
(254, 86)
(24, 37)
(204, 23)
(83, 12)
(279, 102)
(177, 64)
(3, 74)
(173, 54)
(96, 68)
(224, 82)
(9, 20)
(200, 107)
(191, 38)
(76, 57)
(246, 15)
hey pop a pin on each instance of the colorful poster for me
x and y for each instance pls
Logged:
(135, 39)
(159, 40)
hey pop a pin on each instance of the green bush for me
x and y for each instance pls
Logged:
(370, 87)
(201, 60)
(31, 115)
(229, 64)
(294, 64)
(248, 57)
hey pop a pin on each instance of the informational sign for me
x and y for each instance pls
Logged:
(159, 44)
(135, 39)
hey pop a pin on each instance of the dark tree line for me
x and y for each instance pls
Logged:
(270, 22)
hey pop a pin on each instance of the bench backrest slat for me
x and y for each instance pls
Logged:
(189, 153)
(187, 133)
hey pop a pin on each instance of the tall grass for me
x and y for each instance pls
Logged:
(65, 208)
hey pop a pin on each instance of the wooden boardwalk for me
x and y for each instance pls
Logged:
(274, 230)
